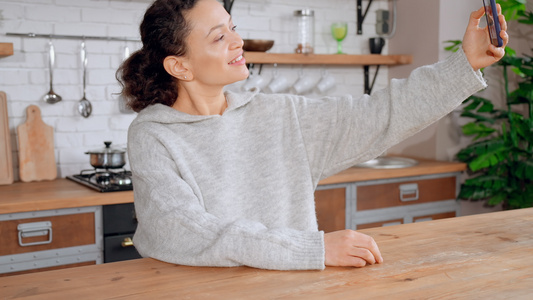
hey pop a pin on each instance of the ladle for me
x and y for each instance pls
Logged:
(84, 106)
(51, 97)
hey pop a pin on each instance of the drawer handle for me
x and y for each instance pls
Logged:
(409, 192)
(127, 242)
(35, 229)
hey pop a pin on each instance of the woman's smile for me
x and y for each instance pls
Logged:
(238, 61)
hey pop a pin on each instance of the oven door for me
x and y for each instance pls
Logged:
(119, 247)
(119, 226)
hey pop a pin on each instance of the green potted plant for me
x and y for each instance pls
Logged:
(500, 157)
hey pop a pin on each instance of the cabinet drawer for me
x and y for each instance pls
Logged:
(405, 193)
(88, 263)
(380, 224)
(434, 217)
(44, 233)
(331, 209)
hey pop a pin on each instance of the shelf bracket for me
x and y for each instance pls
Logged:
(360, 15)
(369, 86)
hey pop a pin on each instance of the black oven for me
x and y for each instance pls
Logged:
(119, 226)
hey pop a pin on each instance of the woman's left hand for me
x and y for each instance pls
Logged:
(476, 42)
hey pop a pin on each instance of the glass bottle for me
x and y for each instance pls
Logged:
(305, 31)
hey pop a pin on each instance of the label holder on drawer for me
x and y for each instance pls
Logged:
(28, 230)
(409, 192)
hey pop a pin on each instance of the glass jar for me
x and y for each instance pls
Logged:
(305, 31)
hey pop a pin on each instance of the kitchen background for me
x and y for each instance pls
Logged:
(24, 76)
(423, 26)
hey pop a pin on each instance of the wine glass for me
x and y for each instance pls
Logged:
(339, 31)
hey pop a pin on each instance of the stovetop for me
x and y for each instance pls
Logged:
(105, 180)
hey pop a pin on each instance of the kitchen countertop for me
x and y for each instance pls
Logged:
(424, 167)
(486, 256)
(55, 194)
(63, 193)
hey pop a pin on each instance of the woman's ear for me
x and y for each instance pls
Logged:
(175, 67)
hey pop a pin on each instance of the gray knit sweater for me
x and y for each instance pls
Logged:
(237, 189)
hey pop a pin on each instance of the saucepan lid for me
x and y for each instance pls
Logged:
(107, 150)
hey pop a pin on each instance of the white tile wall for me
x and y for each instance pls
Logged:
(24, 76)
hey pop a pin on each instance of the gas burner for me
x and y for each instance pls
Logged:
(105, 180)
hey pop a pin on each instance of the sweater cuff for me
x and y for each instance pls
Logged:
(475, 81)
(311, 251)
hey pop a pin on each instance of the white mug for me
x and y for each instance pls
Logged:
(326, 83)
(278, 84)
(304, 84)
(253, 82)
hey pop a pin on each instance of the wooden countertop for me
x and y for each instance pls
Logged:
(487, 256)
(55, 194)
(64, 193)
(424, 167)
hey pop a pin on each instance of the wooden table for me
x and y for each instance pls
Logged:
(488, 256)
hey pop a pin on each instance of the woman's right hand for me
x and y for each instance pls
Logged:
(349, 248)
(476, 42)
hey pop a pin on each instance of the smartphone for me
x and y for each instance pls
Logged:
(491, 13)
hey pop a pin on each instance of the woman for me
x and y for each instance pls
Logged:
(226, 179)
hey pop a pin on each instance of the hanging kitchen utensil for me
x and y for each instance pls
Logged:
(122, 107)
(84, 106)
(51, 97)
(36, 148)
(6, 161)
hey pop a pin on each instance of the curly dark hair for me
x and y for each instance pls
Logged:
(142, 76)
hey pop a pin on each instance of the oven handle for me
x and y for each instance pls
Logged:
(127, 242)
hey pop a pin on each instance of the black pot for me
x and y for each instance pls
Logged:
(108, 158)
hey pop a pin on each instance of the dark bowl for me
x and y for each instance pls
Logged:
(258, 45)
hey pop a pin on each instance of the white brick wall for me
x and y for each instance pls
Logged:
(24, 76)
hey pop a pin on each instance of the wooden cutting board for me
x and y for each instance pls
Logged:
(36, 148)
(6, 160)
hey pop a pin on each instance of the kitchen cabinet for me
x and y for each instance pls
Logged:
(47, 239)
(381, 224)
(331, 208)
(404, 199)
(385, 202)
(337, 202)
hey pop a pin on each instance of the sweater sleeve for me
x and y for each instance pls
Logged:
(361, 129)
(175, 227)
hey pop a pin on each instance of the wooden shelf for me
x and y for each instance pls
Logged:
(6, 49)
(331, 59)
(326, 59)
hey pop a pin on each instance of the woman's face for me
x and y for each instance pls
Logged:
(214, 52)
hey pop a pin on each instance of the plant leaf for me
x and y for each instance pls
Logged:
(478, 129)
(497, 199)
(478, 117)
(455, 45)
(524, 169)
(487, 181)
(490, 157)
